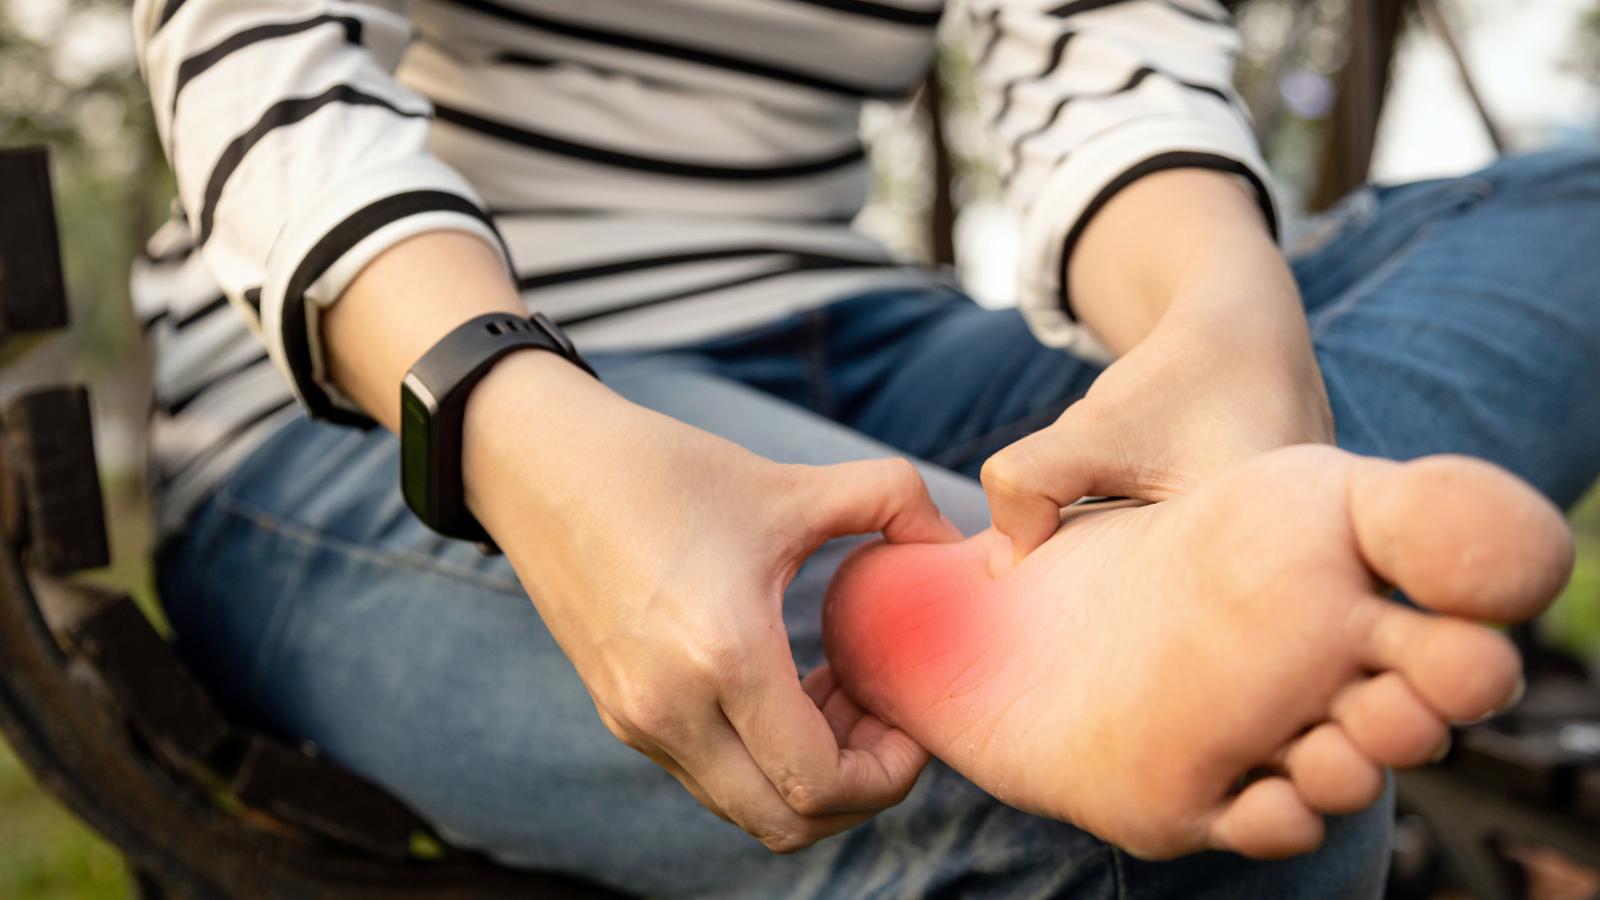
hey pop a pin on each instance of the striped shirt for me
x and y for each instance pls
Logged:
(655, 172)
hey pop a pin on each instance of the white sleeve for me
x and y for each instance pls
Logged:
(298, 158)
(1084, 97)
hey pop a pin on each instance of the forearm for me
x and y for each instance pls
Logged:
(416, 293)
(1180, 267)
(1184, 248)
(402, 304)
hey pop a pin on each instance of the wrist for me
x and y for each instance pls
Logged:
(1171, 235)
(403, 303)
(1256, 346)
(530, 423)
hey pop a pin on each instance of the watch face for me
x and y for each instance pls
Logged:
(415, 462)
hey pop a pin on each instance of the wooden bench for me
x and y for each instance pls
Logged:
(104, 713)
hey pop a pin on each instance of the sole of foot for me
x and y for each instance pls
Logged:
(1218, 670)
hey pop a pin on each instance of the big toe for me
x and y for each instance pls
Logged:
(1461, 536)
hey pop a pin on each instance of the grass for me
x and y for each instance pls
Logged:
(1573, 623)
(46, 853)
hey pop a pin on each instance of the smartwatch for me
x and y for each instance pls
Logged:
(433, 405)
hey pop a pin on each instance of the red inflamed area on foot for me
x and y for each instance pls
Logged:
(932, 611)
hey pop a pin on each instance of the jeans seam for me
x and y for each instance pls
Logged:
(823, 400)
(1119, 877)
(237, 508)
(1366, 286)
(1474, 190)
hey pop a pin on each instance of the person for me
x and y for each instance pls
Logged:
(671, 182)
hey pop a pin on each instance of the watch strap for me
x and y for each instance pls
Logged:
(442, 381)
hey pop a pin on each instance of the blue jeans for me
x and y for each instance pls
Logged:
(1449, 316)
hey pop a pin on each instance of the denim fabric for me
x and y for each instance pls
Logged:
(1459, 315)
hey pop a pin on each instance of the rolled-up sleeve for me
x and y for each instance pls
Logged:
(1083, 98)
(298, 158)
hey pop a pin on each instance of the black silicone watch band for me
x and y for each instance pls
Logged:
(433, 401)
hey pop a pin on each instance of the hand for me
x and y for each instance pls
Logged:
(656, 553)
(1179, 274)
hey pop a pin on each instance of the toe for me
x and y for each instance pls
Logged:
(1268, 820)
(1461, 536)
(1331, 773)
(1462, 670)
(1388, 723)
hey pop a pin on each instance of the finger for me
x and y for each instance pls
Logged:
(886, 495)
(654, 752)
(718, 759)
(820, 684)
(1028, 483)
(838, 709)
(708, 758)
(798, 745)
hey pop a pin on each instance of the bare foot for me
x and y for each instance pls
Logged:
(1135, 671)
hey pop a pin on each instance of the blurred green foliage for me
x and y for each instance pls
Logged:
(45, 853)
(1573, 623)
(69, 81)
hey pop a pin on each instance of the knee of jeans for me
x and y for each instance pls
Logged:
(1562, 172)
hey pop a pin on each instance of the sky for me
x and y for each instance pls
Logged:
(1520, 53)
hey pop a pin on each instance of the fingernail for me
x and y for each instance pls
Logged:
(1444, 749)
(1516, 694)
(951, 527)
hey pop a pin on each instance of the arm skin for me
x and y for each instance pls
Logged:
(655, 552)
(1179, 276)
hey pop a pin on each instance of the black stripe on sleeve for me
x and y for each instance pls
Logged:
(1181, 159)
(897, 14)
(167, 12)
(1134, 80)
(154, 320)
(994, 36)
(623, 267)
(196, 65)
(1057, 52)
(799, 262)
(336, 243)
(561, 147)
(1196, 14)
(1082, 6)
(176, 407)
(284, 112)
(675, 51)
(218, 302)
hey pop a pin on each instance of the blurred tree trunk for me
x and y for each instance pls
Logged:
(942, 216)
(1374, 26)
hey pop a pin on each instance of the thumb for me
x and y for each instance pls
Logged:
(886, 495)
(1030, 481)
